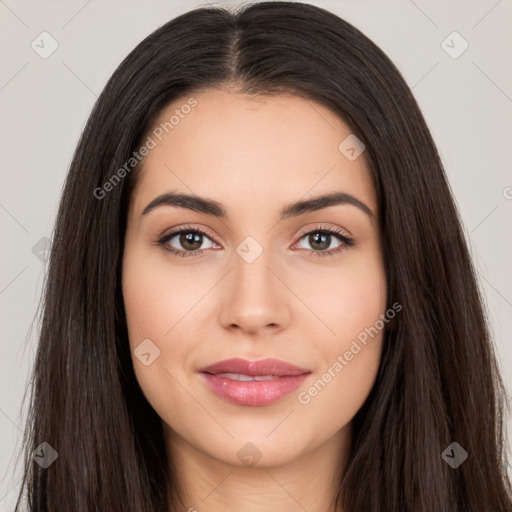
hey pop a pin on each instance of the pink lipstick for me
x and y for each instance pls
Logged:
(255, 383)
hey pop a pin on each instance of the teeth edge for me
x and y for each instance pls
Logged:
(247, 378)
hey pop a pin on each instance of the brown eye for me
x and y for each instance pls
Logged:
(320, 241)
(190, 240)
(185, 242)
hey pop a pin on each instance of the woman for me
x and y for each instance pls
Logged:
(260, 295)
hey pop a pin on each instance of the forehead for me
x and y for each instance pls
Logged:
(247, 149)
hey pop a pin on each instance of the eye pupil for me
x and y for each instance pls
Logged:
(189, 238)
(324, 239)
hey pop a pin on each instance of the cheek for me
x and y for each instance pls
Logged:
(143, 300)
(152, 309)
(350, 308)
(156, 296)
(348, 300)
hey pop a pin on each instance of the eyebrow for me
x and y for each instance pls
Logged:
(216, 209)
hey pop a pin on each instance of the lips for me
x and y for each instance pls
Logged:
(259, 368)
(254, 383)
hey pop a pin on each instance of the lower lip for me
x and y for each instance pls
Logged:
(253, 392)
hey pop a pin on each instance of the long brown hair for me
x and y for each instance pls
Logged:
(438, 380)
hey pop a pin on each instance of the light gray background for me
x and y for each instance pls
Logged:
(45, 103)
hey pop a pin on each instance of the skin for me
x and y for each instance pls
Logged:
(254, 155)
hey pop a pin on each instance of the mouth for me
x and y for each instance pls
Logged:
(253, 383)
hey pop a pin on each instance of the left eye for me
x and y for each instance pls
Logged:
(322, 239)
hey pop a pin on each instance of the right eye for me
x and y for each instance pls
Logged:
(187, 238)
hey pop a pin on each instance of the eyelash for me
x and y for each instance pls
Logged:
(346, 241)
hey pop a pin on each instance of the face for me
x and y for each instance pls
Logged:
(304, 287)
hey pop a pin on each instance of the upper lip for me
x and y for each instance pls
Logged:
(254, 368)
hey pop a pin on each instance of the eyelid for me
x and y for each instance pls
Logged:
(175, 231)
(304, 231)
(321, 227)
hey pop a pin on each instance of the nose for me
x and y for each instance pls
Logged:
(255, 298)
